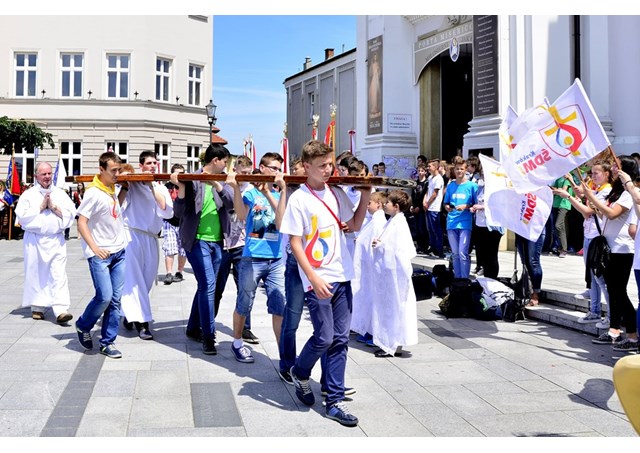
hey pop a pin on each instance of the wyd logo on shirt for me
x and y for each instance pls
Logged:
(317, 249)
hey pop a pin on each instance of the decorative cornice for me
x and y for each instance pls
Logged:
(416, 19)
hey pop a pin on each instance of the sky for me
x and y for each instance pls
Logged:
(252, 56)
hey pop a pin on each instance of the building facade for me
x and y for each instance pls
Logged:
(125, 83)
(311, 93)
(440, 85)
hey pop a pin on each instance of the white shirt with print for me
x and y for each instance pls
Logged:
(323, 241)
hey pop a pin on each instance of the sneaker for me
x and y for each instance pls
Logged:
(604, 324)
(63, 318)
(286, 377)
(626, 345)
(347, 391)
(586, 294)
(144, 332)
(37, 315)
(249, 337)
(110, 351)
(341, 414)
(209, 347)
(363, 338)
(85, 338)
(605, 338)
(580, 252)
(562, 254)
(242, 354)
(168, 279)
(590, 317)
(178, 277)
(303, 389)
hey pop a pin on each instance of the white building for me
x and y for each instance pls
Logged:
(412, 97)
(129, 83)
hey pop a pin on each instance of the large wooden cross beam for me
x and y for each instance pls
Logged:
(376, 181)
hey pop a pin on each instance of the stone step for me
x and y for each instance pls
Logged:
(558, 308)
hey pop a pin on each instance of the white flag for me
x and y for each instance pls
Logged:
(60, 174)
(564, 136)
(522, 213)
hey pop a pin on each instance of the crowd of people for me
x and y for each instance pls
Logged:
(343, 251)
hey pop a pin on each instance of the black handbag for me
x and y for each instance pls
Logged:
(599, 253)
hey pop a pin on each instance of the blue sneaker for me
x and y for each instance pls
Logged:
(341, 414)
(303, 389)
(85, 338)
(242, 354)
(110, 351)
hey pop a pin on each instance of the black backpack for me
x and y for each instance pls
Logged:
(458, 302)
(444, 278)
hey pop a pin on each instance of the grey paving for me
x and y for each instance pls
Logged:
(465, 378)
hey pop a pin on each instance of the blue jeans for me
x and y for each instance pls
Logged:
(294, 293)
(250, 272)
(229, 257)
(530, 256)
(108, 280)
(205, 258)
(598, 286)
(434, 227)
(459, 242)
(331, 319)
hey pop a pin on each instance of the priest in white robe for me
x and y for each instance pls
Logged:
(44, 212)
(144, 206)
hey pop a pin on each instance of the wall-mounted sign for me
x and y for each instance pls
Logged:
(374, 110)
(397, 122)
(485, 65)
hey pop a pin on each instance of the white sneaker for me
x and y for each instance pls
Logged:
(604, 324)
(583, 295)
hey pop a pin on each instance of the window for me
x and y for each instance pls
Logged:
(26, 68)
(72, 66)
(117, 76)
(162, 79)
(26, 165)
(193, 158)
(312, 106)
(195, 83)
(71, 154)
(120, 148)
(162, 153)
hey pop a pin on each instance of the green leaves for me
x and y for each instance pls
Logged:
(22, 134)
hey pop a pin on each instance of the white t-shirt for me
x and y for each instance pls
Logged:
(617, 230)
(589, 224)
(105, 221)
(435, 182)
(323, 241)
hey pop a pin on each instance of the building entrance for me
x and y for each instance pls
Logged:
(446, 104)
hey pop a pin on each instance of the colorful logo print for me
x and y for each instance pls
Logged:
(567, 132)
(318, 249)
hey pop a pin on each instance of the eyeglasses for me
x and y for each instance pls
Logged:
(273, 167)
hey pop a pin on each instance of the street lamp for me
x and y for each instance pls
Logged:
(211, 116)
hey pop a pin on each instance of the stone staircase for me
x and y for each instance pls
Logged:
(555, 307)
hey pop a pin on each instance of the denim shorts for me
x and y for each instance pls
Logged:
(250, 272)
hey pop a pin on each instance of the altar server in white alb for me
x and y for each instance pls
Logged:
(394, 318)
(145, 205)
(364, 283)
(44, 212)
